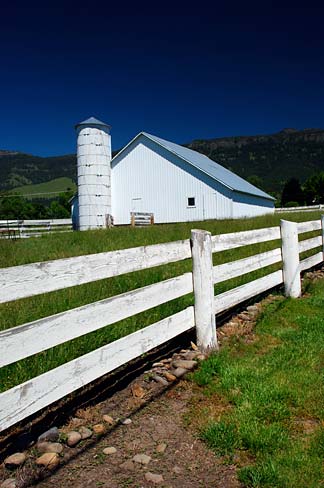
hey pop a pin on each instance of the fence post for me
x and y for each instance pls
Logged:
(290, 258)
(322, 224)
(202, 263)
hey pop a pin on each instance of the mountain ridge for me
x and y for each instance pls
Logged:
(266, 160)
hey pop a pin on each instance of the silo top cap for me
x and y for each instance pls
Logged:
(92, 121)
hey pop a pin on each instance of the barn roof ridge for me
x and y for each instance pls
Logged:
(206, 165)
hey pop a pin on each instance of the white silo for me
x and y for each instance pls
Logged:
(94, 173)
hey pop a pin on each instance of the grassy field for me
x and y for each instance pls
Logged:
(272, 395)
(54, 246)
(56, 185)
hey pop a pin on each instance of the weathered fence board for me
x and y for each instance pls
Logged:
(232, 240)
(28, 339)
(33, 279)
(243, 266)
(35, 394)
(309, 226)
(308, 244)
(311, 261)
(249, 290)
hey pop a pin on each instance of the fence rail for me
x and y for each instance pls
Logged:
(308, 208)
(32, 228)
(32, 279)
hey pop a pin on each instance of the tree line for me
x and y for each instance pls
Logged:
(310, 193)
(17, 207)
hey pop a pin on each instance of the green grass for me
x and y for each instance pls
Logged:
(56, 185)
(274, 389)
(55, 246)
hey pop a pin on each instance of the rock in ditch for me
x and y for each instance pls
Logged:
(43, 447)
(48, 460)
(170, 377)
(85, 433)
(178, 372)
(142, 459)
(160, 380)
(109, 450)
(126, 421)
(73, 438)
(108, 419)
(15, 460)
(154, 478)
(51, 435)
(184, 363)
(99, 429)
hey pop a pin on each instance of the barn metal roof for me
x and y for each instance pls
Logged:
(210, 167)
(93, 121)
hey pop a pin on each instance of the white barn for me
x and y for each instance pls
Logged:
(174, 183)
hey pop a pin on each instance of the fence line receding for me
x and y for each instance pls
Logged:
(29, 280)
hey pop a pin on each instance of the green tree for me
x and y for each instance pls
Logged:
(13, 207)
(314, 189)
(292, 192)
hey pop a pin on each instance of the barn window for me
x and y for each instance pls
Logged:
(191, 202)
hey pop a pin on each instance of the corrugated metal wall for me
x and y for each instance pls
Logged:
(94, 156)
(147, 178)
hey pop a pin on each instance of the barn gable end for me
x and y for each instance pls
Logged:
(148, 177)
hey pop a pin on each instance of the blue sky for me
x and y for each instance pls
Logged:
(178, 71)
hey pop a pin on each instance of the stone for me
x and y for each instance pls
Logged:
(15, 460)
(178, 372)
(108, 419)
(158, 365)
(49, 460)
(193, 346)
(73, 438)
(85, 433)
(137, 391)
(154, 478)
(9, 483)
(99, 429)
(160, 448)
(141, 459)
(184, 363)
(201, 357)
(51, 435)
(126, 421)
(43, 447)
(109, 450)
(128, 465)
(170, 377)
(190, 355)
(160, 380)
(176, 469)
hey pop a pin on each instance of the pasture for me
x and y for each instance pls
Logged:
(57, 246)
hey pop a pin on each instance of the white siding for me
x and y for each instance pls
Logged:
(148, 178)
(250, 206)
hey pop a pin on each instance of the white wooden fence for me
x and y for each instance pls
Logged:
(139, 219)
(32, 228)
(307, 208)
(32, 279)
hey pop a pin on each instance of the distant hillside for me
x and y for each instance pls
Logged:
(274, 158)
(266, 160)
(48, 189)
(18, 169)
